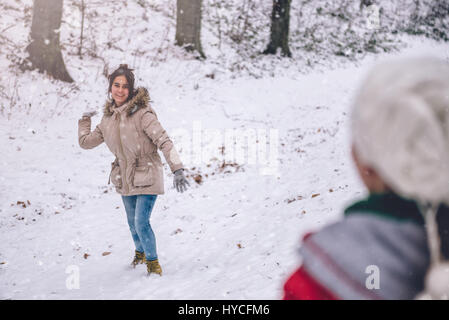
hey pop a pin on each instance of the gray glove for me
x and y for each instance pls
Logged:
(179, 181)
(89, 114)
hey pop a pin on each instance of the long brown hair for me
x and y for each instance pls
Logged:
(123, 70)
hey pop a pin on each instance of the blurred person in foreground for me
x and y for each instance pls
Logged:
(132, 132)
(395, 243)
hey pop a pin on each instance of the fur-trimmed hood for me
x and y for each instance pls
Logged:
(140, 100)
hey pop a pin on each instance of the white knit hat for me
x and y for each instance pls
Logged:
(400, 126)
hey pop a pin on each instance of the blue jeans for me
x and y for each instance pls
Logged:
(138, 211)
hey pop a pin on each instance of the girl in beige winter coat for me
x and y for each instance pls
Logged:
(132, 132)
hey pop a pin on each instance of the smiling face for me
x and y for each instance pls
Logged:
(120, 90)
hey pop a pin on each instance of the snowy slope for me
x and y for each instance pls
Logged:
(234, 236)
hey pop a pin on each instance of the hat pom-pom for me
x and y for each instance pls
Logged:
(437, 283)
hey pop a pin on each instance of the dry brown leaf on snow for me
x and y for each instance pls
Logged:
(198, 178)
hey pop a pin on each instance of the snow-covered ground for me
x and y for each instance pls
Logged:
(232, 236)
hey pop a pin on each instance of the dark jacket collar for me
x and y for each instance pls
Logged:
(392, 206)
(388, 205)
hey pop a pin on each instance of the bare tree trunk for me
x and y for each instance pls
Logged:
(188, 25)
(280, 21)
(82, 7)
(44, 50)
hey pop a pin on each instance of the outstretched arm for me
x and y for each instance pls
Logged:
(86, 138)
(159, 136)
(154, 130)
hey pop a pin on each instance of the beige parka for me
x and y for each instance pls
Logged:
(133, 134)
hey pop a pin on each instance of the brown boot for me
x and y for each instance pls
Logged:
(139, 258)
(154, 267)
